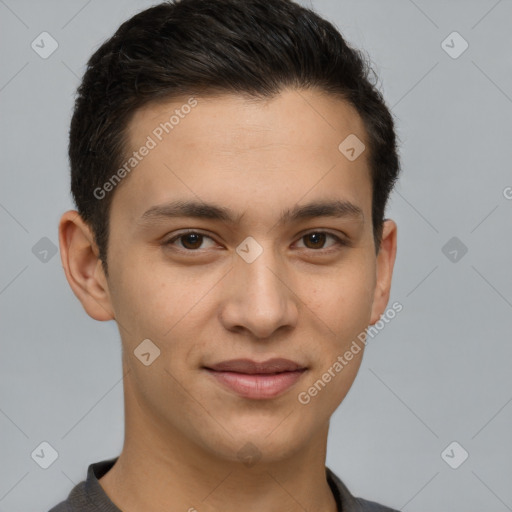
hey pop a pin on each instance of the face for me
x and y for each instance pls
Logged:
(269, 278)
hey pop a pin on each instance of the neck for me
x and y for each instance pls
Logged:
(160, 468)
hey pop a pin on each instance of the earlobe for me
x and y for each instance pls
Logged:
(82, 266)
(385, 263)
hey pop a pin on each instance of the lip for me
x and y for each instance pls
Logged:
(274, 365)
(257, 380)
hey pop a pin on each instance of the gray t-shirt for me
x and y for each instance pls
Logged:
(89, 496)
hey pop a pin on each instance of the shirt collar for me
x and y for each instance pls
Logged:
(344, 499)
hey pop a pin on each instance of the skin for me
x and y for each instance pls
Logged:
(302, 299)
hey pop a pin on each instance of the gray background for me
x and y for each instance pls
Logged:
(439, 372)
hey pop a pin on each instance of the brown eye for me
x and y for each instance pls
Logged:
(192, 240)
(316, 240)
(189, 241)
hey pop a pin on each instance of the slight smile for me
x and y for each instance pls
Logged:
(254, 380)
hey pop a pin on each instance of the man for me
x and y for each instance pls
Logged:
(231, 164)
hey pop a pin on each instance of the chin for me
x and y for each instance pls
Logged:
(262, 441)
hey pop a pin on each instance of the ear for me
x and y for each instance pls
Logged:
(385, 264)
(83, 268)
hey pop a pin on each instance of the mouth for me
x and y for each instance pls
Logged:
(254, 380)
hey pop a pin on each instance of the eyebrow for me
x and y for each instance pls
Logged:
(202, 210)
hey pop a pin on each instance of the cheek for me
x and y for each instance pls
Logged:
(167, 305)
(142, 301)
(344, 304)
(342, 299)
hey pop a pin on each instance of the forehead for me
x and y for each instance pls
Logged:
(246, 153)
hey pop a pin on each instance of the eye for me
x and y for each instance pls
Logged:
(190, 241)
(316, 239)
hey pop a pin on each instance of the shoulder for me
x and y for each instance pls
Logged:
(88, 494)
(76, 500)
(372, 506)
(347, 502)
(61, 507)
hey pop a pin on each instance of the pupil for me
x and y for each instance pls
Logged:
(318, 236)
(193, 236)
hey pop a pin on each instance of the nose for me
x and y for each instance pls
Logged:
(259, 297)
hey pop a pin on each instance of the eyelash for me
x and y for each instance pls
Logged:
(339, 241)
